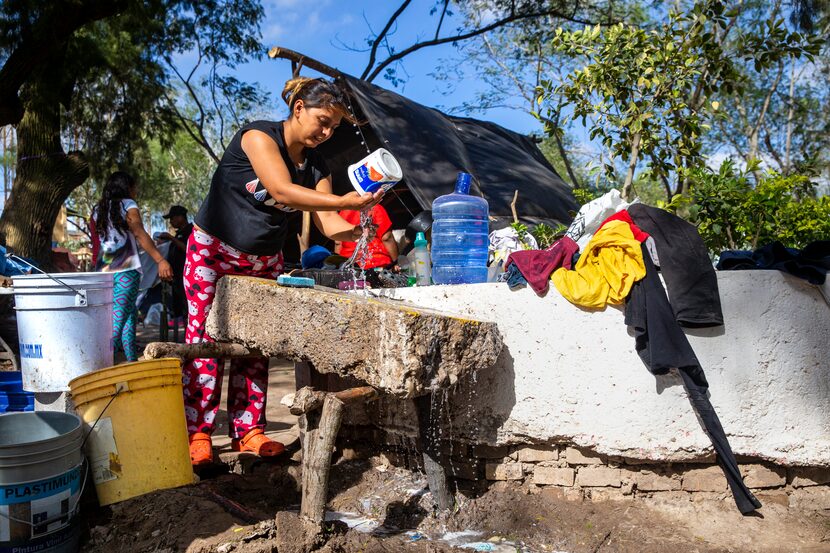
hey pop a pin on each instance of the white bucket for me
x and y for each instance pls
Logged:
(64, 333)
(378, 170)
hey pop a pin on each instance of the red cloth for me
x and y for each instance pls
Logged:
(379, 255)
(623, 215)
(537, 265)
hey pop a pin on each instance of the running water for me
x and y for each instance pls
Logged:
(361, 254)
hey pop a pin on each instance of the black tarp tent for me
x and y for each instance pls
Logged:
(432, 147)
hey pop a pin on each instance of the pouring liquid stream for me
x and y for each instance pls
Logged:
(361, 254)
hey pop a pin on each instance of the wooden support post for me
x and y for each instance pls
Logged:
(436, 474)
(320, 433)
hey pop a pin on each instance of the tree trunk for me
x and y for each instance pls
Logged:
(632, 165)
(45, 174)
(790, 114)
(564, 154)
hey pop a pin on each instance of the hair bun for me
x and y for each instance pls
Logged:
(293, 87)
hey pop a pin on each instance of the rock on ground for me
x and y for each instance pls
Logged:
(401, 350)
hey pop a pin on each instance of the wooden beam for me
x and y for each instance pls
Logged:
(300, 59)
(306, 399)
(223, 350)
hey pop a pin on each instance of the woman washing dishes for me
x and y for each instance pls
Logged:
(269, 173)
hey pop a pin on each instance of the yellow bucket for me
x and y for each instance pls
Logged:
(139, 443)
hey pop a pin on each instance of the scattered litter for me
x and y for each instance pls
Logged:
(471, 539)
(415, 536)
(479, 546)
(225, 548)
(354, 521)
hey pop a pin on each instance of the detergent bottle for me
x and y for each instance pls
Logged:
(422, 264)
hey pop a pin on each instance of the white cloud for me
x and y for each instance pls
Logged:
(283, 4)
(272, 33)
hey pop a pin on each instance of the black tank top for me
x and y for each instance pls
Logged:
(238, 210)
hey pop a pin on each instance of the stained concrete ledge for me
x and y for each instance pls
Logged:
(572, 376)
(402, 351)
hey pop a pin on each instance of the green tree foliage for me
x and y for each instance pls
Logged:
(177, 172)
(646, 93)
(546, 235)
(777, 114)
(95, 76)
(733, 213)
(510, 61)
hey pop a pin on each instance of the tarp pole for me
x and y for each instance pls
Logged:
(300, 60)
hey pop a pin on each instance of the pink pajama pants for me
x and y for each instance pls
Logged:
(208, 258)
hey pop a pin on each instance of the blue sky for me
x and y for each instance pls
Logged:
(319, 29)
(323, 29)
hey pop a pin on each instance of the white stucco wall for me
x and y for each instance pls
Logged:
(572, 375)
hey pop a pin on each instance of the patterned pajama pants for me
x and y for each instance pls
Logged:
(207, 260)
(124, 311)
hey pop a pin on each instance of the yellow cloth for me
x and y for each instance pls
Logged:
(611, 263)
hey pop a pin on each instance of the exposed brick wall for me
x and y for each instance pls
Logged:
(577, 474)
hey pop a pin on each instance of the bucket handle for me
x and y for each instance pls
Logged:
(80, 295)
(85, 467)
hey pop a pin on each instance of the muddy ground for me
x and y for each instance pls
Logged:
(391, 511)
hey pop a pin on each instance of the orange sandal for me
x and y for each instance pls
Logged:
(201, 449)
(255, 441)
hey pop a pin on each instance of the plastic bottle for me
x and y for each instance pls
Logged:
(422, 265)
(460, 231)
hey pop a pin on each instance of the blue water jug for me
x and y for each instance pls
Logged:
(460, 231)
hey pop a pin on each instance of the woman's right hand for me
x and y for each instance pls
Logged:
(165, 270)
(355, 201)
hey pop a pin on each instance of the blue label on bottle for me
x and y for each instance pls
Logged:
(362, 176)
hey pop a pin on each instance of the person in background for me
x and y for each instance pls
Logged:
(177, 218)
(270, 172)
(120, 231)
(383, 250)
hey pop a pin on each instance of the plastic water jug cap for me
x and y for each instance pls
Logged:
(462, 183)
(420, 240)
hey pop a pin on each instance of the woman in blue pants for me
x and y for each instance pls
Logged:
(120, 231)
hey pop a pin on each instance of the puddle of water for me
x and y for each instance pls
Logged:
(467, 539)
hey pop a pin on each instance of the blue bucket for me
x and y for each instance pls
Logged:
(12, 396)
